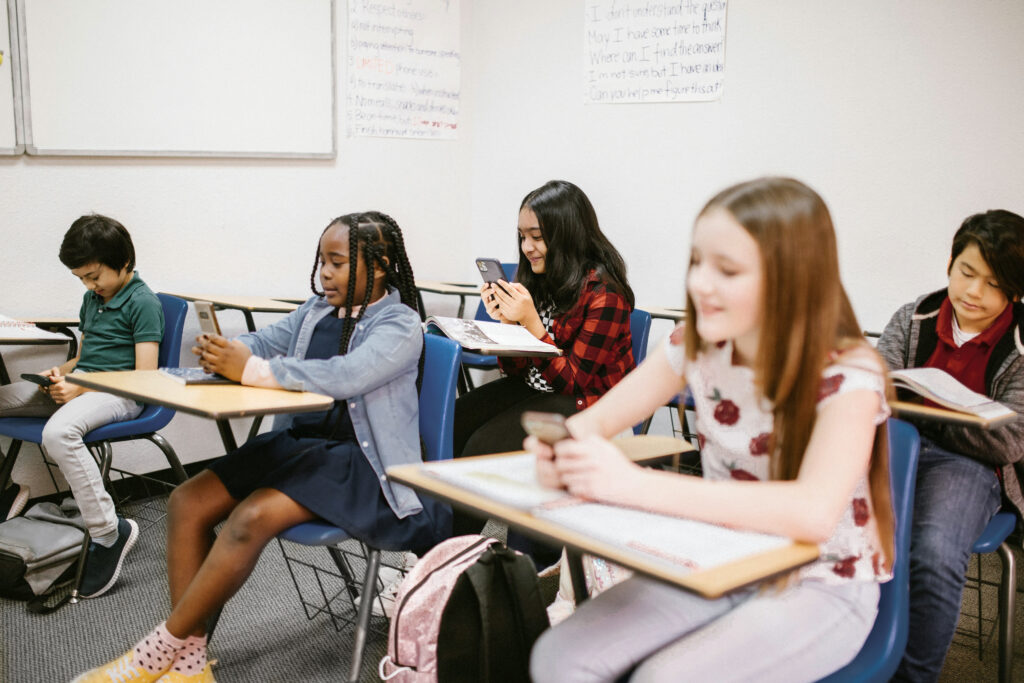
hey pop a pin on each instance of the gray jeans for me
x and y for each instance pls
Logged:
(62, 442)
(801, 633)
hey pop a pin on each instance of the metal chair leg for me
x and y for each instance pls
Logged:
(172, 457)
(363, 617)
(81, 568)
(1007, 605)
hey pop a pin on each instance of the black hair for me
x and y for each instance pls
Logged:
(999, 235)
(97, 239)
(575, 246)
(375, 238)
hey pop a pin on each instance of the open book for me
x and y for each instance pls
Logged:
(942, 388)
(194, 376)
(714, 557)
(492, 338)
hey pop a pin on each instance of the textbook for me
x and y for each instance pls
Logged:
(194, 376)
(943, 389)
(492, 338)
(706, 558)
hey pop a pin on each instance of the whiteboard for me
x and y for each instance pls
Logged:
(220, 78)
(10, 86)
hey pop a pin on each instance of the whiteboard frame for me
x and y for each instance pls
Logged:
(23, 114)
(15, 57)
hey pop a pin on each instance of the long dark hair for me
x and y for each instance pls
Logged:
(575, 246)
(375, 238)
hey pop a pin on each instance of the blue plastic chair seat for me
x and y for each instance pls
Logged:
(998, 529)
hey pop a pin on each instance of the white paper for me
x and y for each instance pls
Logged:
(943, 388)
(481, 334)
(17, 329)
(653, 50)
(404, 68)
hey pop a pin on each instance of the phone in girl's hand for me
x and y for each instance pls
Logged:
(548, 427)
(491, 271)
(41, 380)
(207, 318)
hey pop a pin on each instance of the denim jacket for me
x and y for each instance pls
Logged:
(377, 376)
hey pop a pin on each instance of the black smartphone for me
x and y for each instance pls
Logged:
(41, 380)
(548, 427)
(491, 271)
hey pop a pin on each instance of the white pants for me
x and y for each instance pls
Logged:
(62, 442)
(801, 633)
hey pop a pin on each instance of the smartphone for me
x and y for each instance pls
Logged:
(491, 271)
(548, 427)
(207, 318)
(41, 380)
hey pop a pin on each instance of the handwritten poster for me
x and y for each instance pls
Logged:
(403, 68)
(653, 50)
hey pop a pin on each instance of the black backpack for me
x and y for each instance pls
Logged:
(39, 553)
(492, 615)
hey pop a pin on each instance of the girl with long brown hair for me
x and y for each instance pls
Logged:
(791, 408)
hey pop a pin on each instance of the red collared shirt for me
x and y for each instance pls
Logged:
(968, 362)
(597, 348)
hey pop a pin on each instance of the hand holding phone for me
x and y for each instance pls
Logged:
(41, 380)
(207, 318)
(547, 427)
(491, 271)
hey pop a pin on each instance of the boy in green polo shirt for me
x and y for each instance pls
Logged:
(122, 323)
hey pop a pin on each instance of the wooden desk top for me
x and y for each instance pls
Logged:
(218, 401)
(664, 313)
(51, 321)
(910, 409)
(13, 331)
(709, 583)
(254, 304)
(457, 288)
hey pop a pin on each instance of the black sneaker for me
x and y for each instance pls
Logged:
(12, 501)
(103, 565)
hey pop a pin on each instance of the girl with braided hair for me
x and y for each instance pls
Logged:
(359, 340)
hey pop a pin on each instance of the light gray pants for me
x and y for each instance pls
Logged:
(62, 442)
(801, 633)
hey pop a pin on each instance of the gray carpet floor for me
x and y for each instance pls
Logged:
(263, 634)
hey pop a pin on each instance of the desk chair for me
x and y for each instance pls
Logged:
(993, 539)
(145, 426)
(640, 330)
(478, 361)
(883, 650)
(437, 414)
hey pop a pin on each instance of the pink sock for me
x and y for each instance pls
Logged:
(192, 658)
(156, 652)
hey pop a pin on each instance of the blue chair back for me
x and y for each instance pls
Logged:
(883, 650)
(640, 330)
(442, 358)
(152, 418)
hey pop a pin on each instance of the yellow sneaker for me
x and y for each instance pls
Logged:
(204, 676)
(121, 670)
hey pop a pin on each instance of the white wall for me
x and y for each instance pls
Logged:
(905, 116)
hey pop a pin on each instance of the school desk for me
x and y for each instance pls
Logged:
(18, 332)
(219, 402)
(710, 583)
(459, 289)
(246, 304)
(908, 409)
(665, 313)
(59, 325)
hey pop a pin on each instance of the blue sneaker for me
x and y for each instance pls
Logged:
(103, 565)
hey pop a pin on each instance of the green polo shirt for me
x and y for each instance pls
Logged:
(111, 329)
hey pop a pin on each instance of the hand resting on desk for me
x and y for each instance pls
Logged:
(226, 357)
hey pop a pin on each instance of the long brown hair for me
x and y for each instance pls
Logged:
(808, 318)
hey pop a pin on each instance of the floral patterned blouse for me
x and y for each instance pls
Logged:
(734, 427)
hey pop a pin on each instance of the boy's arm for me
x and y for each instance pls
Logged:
(146, 355)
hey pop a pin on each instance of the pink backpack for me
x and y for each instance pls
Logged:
(469, 610)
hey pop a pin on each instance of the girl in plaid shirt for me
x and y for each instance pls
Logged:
(571, 291)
